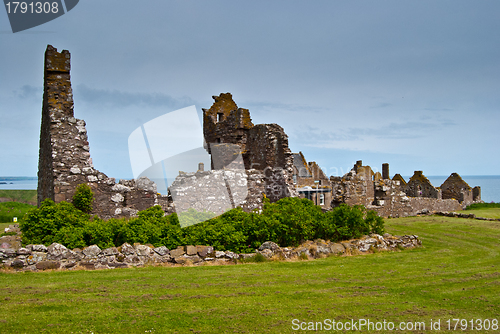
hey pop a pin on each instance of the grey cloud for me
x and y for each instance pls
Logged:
(256, 106)
(438, 109)
(29, 92)
(381, 105)
(313, 135)
(408, 130)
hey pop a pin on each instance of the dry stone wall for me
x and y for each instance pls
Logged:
(57, 256)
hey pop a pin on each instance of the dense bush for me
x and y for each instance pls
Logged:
(287, 222)
(192, 217)
(52, 222)
(83, 198)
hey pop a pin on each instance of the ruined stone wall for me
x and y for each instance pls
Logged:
(391, 201)
(218, 191)
(390, 198)
(401, 180)
(354, 188)
(476, 194)
(229, 132)
(64, 157)
(455, 187)
(420, 186)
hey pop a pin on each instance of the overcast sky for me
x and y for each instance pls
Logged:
(412, 83)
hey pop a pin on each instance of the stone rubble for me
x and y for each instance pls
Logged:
(57, 256)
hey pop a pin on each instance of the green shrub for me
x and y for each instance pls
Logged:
(288, 222)
(192, 217)
(83, 198)
(52, 223)
(223, 232)
(375, 222)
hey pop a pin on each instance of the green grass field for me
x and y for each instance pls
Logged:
(9, 210)
(23, 196)
(486, 213)
(21, 202)
(456, 274)
(486, 210)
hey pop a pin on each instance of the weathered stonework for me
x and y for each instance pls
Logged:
(393, 198)
(64, 159)
(420, 186)
(455, 187)
(229, 133)
(355, 187)
(311, 181)
(57, 256)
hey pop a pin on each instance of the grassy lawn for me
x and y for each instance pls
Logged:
(486, 213)
(24, 196)
(456, 274)
(9, 210)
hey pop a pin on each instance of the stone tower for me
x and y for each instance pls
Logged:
(229, 132)
(64, 158)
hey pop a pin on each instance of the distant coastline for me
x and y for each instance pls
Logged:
(17, 178)
(490, 184)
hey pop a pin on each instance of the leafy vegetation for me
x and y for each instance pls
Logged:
(192, 217)
(287, 222)
(454, 275)
(83, 198)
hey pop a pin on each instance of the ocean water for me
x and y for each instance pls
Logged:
(490, 184)
(21, 183)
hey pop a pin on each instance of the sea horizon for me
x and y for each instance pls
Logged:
(490, 184)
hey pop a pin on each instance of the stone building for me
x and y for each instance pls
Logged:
(229, 133)
(455, 187)
(311, 182)
(420, 186)
(395, 198)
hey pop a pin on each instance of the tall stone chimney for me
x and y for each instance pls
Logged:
(64, 159)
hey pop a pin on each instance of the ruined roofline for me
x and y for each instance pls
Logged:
(418, 175)
(455, 177)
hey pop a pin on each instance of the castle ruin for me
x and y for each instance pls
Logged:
(247, 162)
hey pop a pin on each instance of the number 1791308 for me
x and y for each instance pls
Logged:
(32, 8)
